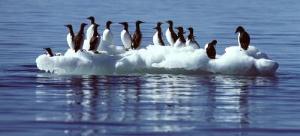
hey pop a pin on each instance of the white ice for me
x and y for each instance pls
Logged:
(159, 59)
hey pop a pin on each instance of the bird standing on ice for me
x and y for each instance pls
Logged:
(157, 37)
(79, 38)
(191, 39)
(107, 35)
(243, 37)
(180, 42)
(137, 36)
(70, 37)
(90, 30)
(125, 36)
(95, 39)
(210, 49)
(170, 34)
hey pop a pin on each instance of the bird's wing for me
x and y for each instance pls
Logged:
(94, 42)
(127, 40)
(135, 40)
(245, 40)
(174, 36)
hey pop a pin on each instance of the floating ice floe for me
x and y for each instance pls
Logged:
(159, 59)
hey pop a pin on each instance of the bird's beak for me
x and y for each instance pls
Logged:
(154, 27)
(236, 31)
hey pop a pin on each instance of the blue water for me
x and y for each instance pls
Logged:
(36, 103)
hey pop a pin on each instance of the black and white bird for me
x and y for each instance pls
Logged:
(70, 37)
(137, 35)
(90, 32)
(125, 36)
(95, 39)
(180, 42)
(79, 38)
(107, 35)
(243, 37)
(157, 37)
(170, 34)
(191, 39)
(210, 49)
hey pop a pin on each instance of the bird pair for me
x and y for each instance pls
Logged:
(133, 42)
(243, 40)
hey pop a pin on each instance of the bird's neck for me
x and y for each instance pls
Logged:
(95, 32)
(71, 32)
(171, 26)
(126, 28)
(108, 26)
(158, 29)
(181, 37)
(81, 30)
(191, 36)
(137, 27)
(93, 21)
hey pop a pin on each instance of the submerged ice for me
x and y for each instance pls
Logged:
(159, 59)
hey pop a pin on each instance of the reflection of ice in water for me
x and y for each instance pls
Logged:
(154, 103)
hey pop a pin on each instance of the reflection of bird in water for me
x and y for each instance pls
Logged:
(85, 101)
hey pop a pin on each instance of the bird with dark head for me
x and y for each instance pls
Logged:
(137, 36)
(125, 36)
(191, 39)
(95, 39)
(79, 38)
(107, 36)
(89, 31)
(243, 37)
(180, 42)
(170, 34)
(70, 36)
(70, 28)
(157, 37)
(210, 49)
(191, 35)
(180, 33)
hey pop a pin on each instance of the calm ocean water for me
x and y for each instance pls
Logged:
(38, 103)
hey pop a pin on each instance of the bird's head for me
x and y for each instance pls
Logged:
(159, 24)
(83, 24)
(170, 22)
(190, 29)
(92, 19)
(139, 22)
(68, 26)
(109, 22)
(180, 29)
(239, 29)
(213, 42)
